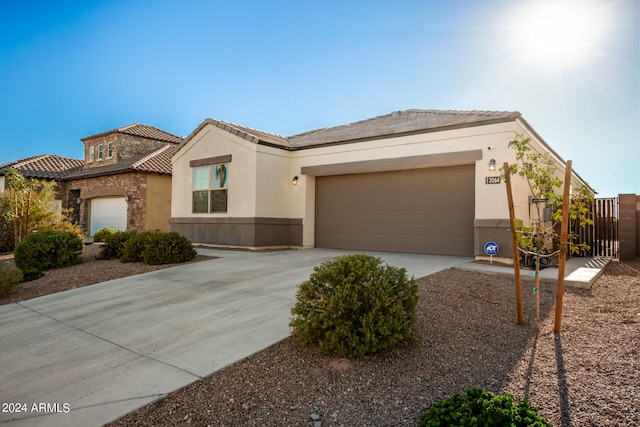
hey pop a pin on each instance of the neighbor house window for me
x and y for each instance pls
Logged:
(91, 151)
(110, 150)
(210, 188)
(100, 152)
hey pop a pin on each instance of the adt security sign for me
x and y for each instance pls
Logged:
(491, 248)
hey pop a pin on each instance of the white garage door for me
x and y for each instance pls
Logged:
(108, 212)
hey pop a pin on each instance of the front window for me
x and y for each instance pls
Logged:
(91, 151)
(100, 152)
(210, 188)
(110, 150)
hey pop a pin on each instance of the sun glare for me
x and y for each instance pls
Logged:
(556, 33)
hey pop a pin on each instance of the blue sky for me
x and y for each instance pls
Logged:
(70, 69)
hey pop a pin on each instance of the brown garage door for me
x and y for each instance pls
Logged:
(419, 211)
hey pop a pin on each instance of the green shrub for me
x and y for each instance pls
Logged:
(167, 248)
(134, 247)
(10, 276)
(103, 233)
(482, 408)
(43, 250)
(114, 244)
(354, 306)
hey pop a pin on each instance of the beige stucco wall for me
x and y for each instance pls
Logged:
(158, 202)
(260, 177)
(274, 186)
(212, 141)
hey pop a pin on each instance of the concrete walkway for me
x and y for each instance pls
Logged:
(579, 272)
(88, 356)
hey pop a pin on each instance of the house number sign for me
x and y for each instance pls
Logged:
(492, 180)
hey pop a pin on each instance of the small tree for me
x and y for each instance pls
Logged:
(28, 205)
(540, 172)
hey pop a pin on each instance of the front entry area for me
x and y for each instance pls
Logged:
(429, 211)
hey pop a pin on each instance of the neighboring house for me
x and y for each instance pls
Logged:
(49, 167)
(124, 181)
(419, 181)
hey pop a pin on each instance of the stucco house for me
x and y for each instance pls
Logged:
(418, 181)
(123, 182)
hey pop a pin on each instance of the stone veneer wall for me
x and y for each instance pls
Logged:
(132, 183)
(124, 147)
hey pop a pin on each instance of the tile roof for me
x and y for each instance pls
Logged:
(400, 123)
(393, 124)
(45, 166)
(144, 131)
(250, 134)
(158, 161)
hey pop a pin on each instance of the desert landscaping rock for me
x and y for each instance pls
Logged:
(467, 337)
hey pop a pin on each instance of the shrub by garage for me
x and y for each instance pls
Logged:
(355, 306)
(149, 247)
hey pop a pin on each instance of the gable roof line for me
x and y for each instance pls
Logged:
(408, 122)
(244, 132)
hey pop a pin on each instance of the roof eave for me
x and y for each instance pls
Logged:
(557, 156)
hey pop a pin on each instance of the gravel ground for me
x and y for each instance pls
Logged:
(589, 375)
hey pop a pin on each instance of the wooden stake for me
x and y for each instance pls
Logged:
(514, 245)
(564, 231)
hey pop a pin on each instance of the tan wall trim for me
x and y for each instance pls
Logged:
(399, 163)
(210, 161)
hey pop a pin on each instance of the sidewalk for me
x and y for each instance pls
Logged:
(580, 272)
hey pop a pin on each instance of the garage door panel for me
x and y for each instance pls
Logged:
(421, 211)
(108, 212)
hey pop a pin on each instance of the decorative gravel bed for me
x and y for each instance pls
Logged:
(589, 375)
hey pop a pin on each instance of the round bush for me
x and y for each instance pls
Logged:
(354, 306)
(43, 250)
(114, 244)
(10, 276)
(103, 233)
(167, 248)
(479, 407)
(134, 247)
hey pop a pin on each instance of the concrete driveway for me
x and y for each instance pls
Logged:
(88, 356)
